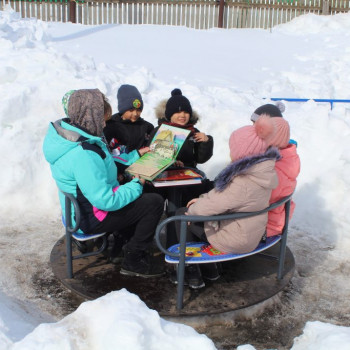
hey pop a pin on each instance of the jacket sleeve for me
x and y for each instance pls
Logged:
(127, 158)
(153, 132)
(215, 202)
(204, 150)
(108, 131)
(91, 175)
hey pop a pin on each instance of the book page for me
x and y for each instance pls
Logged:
(164, 148)
(171, 134)
(149, 164)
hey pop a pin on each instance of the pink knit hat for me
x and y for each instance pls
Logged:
(252, 140)
(281, 137)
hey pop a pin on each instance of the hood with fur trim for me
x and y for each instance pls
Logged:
(241, 166)
(160, 113)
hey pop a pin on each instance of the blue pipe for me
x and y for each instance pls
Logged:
(331, 101)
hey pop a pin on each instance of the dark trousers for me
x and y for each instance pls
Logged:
(136, 222)
(195, 231)
(178, 196)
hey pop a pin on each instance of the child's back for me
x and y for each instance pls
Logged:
(287, 168)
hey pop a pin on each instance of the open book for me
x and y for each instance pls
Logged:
(165, 147)
(176, 177)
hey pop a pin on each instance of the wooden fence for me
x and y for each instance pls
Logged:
(199, 14)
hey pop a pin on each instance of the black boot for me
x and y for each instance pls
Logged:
(88, 245)
(174, 274)
(116, 253)
(193, 276)
(136, 263)
(210, 271)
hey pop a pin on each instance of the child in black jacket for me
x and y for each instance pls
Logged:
(198, 147)
(177, 111)
(126, 130)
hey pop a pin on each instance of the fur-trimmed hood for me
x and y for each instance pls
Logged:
(241, 166)
(160, 113)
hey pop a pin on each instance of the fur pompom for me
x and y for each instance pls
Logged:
(281, 106)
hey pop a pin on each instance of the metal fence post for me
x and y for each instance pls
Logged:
(72, 11)
(221, 13)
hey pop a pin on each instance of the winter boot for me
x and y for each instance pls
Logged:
(116, 253)
(173, 276)
(136, 263)
(84, 246)
(193, 276)
(210, 271)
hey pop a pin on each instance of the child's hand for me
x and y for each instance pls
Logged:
(179, 164)
(192, 201)
(142, 181)
(200, 137)
(144, 150)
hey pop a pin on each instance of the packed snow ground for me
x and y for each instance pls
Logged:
(226, 74)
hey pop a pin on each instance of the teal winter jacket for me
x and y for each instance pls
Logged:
(82, 165)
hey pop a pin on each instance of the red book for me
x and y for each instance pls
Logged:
(177, 177)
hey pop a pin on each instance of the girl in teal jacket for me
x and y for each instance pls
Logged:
(82, 165)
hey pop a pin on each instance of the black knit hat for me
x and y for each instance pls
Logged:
(177, 103)
(129, 98)
(270, 110)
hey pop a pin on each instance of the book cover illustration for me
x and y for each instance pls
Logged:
(164, 148)
(178, 174)
(176, 177)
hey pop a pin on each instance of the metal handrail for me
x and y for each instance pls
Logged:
(200, 218)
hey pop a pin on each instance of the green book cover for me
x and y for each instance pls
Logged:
(164, 148)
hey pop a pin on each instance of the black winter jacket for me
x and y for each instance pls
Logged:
(191, 153)
(127, 135)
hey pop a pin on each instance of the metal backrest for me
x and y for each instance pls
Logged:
(69, 200)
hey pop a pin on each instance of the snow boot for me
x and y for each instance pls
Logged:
(136, 263)
(193, 276)
(210, 271)
(173, 276)
(116, 253)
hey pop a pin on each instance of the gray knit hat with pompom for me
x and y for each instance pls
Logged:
(270, 110)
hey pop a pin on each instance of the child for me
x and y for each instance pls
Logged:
(287, 168)
(177, 111)
(82, 165)
(245, 185)
(126, 130)
(198, 147)
(271, 111)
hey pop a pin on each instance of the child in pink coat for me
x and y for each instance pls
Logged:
(287, 168)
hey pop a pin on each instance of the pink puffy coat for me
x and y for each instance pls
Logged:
(287, 168)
